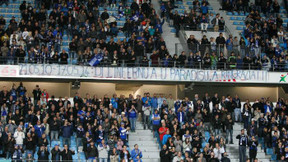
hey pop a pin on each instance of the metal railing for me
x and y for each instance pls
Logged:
(192, 63)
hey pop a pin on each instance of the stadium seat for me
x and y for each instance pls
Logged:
(269, 151)
(229, 13)
(235, 23)
(239, 28)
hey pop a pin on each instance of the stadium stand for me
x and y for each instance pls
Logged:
(129, 33)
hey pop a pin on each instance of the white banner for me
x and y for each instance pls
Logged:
(140, 73)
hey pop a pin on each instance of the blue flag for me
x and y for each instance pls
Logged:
(96, 60)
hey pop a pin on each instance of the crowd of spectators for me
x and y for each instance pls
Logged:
(265, 35)
(184, 126)
(235, 53)
(199, 14)
(187, 130)
(38, 37)
(33, 125)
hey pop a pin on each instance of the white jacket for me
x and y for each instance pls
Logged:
(19, 137)
(103, 152)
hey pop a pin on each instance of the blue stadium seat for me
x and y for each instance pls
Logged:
(239, 18)
(229, 13)
(239, 28)
(274, 157)
(232, 18)
(242, 23)
(235, 23)
(269, 151)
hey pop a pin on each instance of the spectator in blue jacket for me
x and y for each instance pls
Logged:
(267, 108)
(39, 129)
(133, 117)
(154, 102)
(204, 9)
(67, 132)
(99, 134)
(136, 154)
(204, 23)
(114, 101)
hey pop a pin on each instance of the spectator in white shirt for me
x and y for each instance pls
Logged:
(19, 136)
(218, 151)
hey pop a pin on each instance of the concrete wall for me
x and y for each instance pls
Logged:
(177, 91)
(99, 89)
(158, 89)
(57, 89)
(243, 92)
(281, 93)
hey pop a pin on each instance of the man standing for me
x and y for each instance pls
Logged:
(103, 151)
(237, 110)
(36, 94)
(229, 128)
(136, 154)
(66, 133)
(147, 112)
(56, 153)
(165, 154)
(253, 148)
(243, 142)
(162, 130)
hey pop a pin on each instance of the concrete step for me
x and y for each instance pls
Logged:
(141, 133)
(151, 160)
(141, 138)
(259, 160)
(143, 142)
(259, 154)
(151, 154)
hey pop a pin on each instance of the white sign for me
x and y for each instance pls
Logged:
(140, 73)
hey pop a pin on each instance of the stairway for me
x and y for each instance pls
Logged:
(233, 149)
(146, 142)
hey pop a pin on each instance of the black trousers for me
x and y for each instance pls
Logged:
(252, 154)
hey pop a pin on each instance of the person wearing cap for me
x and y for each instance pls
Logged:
(243, 142)
(123, 133)
(29, 157)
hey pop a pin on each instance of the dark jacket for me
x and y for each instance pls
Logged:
(92, 152)
(44, 157)
(67, 131)
(67, 156)
(165, 156)
(54, 153)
